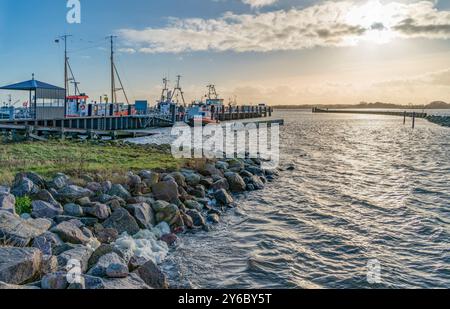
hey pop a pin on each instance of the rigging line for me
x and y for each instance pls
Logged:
(126, 79)
(121, 85)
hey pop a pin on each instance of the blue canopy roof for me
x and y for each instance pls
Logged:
(31, 85)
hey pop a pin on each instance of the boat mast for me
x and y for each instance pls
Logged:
(114, 72)
(179, 90)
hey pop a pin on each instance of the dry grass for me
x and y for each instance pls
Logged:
(107, 160)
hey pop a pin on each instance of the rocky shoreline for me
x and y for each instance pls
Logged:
(55, 234)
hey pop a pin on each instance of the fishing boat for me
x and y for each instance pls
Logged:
(203, 112)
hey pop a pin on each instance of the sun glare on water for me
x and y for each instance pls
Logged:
(376, 18)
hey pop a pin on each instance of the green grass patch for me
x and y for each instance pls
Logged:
(23, 205)
(79, 158)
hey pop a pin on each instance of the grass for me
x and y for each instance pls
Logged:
(23, 205)
(79, 158)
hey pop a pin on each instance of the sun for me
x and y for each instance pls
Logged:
(376, 18)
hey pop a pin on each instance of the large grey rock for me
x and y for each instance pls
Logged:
(166, 191)
(220, 184)
(35, 178)
(152, 275)
(191, 204)
(98, 210)
(122, 221)
(257, 183)
(18, 232)
(236, 165)
(107, 260)
(223, 197)
(58, 182)
(237, 184)
(80, 254)
(143, 213)
(132, 282)
(196, 216)
(179, 179)
(55, 281)
(119, 191)
(168, 214)
(149, 177)
(70, 232)
(24, 187)
(46, 196)
(4, 190)
(19, 265)
(6, 286)
(95, 187)
(73, 210)
(43, 209)
(192, 179)
(8, 202)
(47, 243)
(72, 193)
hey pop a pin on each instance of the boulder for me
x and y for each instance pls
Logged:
(35, 178)
(169, 239)
(207, 182)
(168, 214)
(257, 183)
(6, 286)
(46, 196)
(73, 210)
(98, 210)
(117, 271)
(132, 282)
(191, 204)
(223, 197)
(198, 191)
(122, 221)
(24, 187)
(106, 235)
(210, 170)
(220, 184)
(134, 180)
(196, 216)
(95, 187)
(8, 203)
(255, 170)
(152, 275)
(188, 222)
(16, 231)
(55, 281)
(72, 193)
(144, 215)
(43, 209)
(150, 178)
(119, 191)
(58, 182)
(214, 218)
(70, 232)
(237, 184)
(236, 165)
(79, 253)
(159, 205)
(104, 262)
(19, 265)
(47, 243)
(221, 165)
(104, 249)
(49, 264)
(179, 179)
(192, 179)
(84, 201)
(106, 186)
(166, 191)
(4, 190)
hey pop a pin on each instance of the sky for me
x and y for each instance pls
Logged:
(271, 51)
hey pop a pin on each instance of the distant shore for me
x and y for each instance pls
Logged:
(363, 105)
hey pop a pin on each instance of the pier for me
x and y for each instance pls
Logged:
(369, 112)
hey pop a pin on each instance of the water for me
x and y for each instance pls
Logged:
(365, 187)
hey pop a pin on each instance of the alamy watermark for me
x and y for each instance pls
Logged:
(74, 13)
(74, 272)
(374, 271)
(228, 141)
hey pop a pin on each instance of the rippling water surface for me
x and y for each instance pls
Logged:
(364, 187)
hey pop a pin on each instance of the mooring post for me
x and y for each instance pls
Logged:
(414, 120)
(404, 118)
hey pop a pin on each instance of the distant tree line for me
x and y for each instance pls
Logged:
(432, 105)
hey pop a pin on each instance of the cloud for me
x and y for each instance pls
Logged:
(259, 3)
(332, 23)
